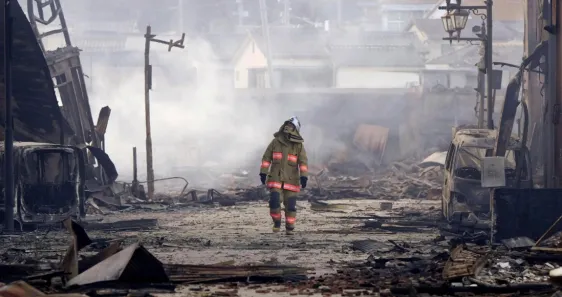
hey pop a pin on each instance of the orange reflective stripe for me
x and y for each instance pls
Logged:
(274, 185)
(277, 156)
(292, 158)
(303, 168)
(276, 216)
(292, 188)
(290, 220)
(265, 164)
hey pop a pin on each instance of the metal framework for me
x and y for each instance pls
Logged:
(66, 71)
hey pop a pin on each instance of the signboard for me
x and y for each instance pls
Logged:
(497, 77)
(493, 172)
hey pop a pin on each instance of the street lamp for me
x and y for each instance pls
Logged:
(459, 18)
(448, 26)
(455, 21)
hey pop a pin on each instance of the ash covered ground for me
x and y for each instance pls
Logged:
(371, 235)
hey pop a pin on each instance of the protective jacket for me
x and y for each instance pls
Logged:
(285, 161)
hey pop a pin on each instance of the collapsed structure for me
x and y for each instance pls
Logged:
(58, 151)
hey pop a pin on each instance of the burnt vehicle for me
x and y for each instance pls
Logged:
(49, 183)
(462, 189)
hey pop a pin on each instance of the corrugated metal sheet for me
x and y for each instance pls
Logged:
(133, 264)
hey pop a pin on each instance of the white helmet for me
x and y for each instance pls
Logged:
(295, 121)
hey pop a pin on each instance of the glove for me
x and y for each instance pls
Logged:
(262, 178)
(304, 179)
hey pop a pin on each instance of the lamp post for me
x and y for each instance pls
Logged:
(454, 21)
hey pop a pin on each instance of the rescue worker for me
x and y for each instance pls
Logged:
(284, 165)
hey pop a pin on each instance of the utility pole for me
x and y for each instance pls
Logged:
(147, 87)
(135, 183)
(265, 32)
(489, 66)
(9, 121)
(550, 116)
(553, 96)
(481, 83)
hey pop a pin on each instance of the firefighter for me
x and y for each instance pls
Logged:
(284, 165)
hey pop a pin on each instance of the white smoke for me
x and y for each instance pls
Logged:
(203, 125)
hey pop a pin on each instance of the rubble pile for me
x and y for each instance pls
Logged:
(407, 179)
(401, 180)
(438, 268)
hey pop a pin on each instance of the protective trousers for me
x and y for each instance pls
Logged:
(290, 203)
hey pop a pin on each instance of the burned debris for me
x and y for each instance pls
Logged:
(390, 203)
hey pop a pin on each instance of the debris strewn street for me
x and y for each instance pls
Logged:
(371, 245)
(280, 148)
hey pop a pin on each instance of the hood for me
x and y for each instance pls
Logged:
(294, 136)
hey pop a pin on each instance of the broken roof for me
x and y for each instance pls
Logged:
(469, 55)
(37, 116)
(294, 42)
(503, 30)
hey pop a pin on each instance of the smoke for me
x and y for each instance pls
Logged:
(199, 129)
(202, 129)
(192, 126)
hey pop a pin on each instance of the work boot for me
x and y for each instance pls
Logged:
(276, 226)
(290, 215)
(290, 225)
